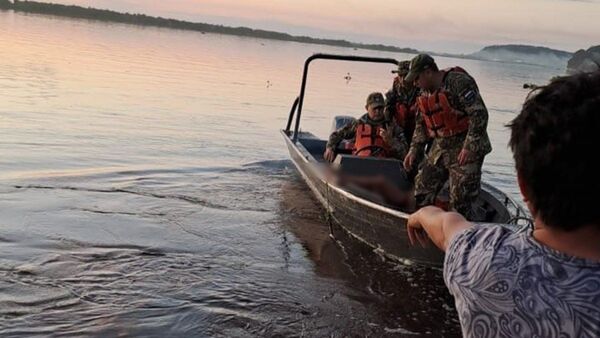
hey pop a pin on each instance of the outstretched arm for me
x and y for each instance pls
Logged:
(439, 225)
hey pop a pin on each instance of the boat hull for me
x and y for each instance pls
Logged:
(382, 228)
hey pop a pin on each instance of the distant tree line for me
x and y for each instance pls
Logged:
(525, 49)
(145, 20)
(5, 4)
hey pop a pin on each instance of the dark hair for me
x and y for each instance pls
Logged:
(556, 141)
(434, 67)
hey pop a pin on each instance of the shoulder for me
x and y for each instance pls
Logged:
(479, 236)
(479, 246)
(482, 237)
(483, 233)
(459, 78)
(363, 119)
(462, 85)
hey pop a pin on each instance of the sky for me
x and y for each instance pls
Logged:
(453, 26)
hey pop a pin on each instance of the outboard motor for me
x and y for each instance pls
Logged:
(340, 122)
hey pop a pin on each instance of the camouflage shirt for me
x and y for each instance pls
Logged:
(463, 96)
(397, 144)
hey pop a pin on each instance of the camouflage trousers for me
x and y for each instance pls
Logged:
(464, 181)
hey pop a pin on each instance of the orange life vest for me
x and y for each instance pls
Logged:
(368, 142)
(405, 117)
(440, 118)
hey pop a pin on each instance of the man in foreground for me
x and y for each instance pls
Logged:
(373, 134)
(451, 114)
(543, 282)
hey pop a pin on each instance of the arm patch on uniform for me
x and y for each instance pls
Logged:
(469, 96)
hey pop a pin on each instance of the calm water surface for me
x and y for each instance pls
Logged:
(145, 189)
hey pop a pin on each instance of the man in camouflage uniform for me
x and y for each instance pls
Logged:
(401, 107)
(402, 93)
(391, 133)
(455, 153)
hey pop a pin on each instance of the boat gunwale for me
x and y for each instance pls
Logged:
(306, 155)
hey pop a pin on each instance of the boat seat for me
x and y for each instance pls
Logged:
(314, 146)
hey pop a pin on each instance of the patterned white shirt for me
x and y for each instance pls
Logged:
(506, 284)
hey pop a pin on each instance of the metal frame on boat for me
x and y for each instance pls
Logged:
(380, 226)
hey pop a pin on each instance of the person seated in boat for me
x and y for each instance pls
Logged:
(544, 281)
(373, 134)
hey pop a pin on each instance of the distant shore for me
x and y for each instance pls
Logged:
(145, 20)
(522, 54)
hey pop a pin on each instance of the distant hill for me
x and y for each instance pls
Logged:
(523, 54)
(584, 60)
(145, 20)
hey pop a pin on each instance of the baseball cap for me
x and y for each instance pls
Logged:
(376, 99)
(419, 64)
(403, 68)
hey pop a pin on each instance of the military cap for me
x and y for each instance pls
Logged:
(419, 64)
(403, 68)
(375, 99)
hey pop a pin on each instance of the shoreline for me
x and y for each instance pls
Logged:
(89, 13)
(143, 20)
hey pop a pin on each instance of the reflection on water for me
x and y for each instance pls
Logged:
(405, 299)
(151, 254)
(145, 190)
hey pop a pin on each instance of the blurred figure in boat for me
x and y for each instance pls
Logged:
(388, 192)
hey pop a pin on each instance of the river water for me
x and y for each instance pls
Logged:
(145, 189)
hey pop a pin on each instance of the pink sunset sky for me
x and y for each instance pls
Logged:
(457, 26)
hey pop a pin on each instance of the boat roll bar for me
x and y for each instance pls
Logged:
(297, 105)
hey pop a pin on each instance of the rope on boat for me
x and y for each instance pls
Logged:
(328, 216)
